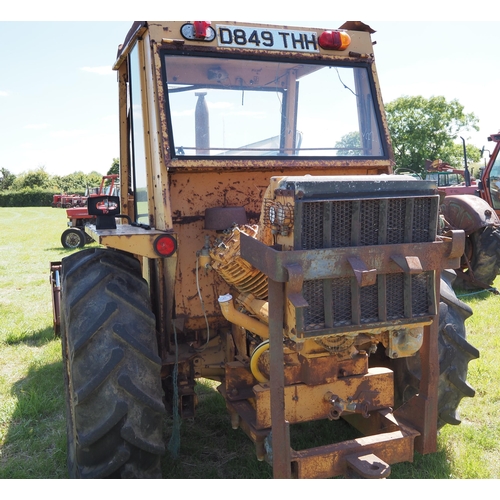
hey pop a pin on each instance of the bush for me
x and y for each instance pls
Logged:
(27, 198)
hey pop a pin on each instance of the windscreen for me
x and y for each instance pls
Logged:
(243, 107)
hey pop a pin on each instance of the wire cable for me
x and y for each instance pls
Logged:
(202, 303)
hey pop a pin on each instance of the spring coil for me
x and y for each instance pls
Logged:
(237, 272)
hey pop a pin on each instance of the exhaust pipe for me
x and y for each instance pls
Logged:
(240, 319)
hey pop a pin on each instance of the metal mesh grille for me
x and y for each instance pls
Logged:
(314, 315)
(371, 308)
(396, 221)
(421, 217)
(341, 224)
(312, 226)
(420, 296)
(344, 223)
(341, 301)
(395, 296)
(369, 303)
(406, 221)
(369, 222)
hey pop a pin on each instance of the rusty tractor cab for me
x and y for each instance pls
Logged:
(262, 242)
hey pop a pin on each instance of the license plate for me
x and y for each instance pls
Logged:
(267, 39)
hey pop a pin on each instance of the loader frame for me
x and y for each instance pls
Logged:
(393, 440)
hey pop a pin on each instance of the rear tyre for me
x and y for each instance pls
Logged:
(73, 238)
(454, 356)
(485, 263)
(112, 368)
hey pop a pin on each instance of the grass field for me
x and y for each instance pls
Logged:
(32, 422)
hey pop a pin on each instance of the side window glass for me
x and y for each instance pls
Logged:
(495, 184)
(138, 152)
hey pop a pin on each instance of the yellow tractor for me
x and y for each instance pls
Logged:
(260, 240)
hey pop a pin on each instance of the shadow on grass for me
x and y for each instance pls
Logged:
(60, 249)
(35, 444)
(66, 251)
(211, 449)
(36, 338)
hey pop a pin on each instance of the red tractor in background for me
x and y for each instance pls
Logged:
(68, 200)
(475, 208)
(450, 180)
(79, 217)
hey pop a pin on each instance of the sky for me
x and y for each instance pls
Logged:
(58, 93)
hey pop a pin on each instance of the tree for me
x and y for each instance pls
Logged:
(349, 145)
(6, 179)
(115, 167)
(33, 179)
(426, 129)
(76, 182)
(456, 155)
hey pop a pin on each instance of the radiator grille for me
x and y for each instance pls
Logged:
(344, 223)
(340, 302)
(340, 310)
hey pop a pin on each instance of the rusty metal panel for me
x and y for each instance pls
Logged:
(334, 263)
(305, 403)
(239, 381)
(128, 238)
(331, 460)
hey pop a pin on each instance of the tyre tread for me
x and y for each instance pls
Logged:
(94, 383)
(455, 352)
(114, 388)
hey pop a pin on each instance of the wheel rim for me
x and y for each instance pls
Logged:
(72, 240)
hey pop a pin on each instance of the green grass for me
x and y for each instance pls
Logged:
(32, 424)
(32, 428)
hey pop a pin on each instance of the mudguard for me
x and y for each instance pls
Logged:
(468, 212)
